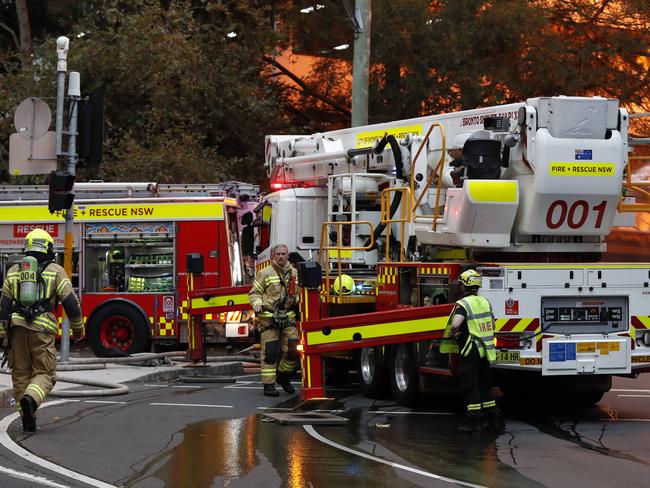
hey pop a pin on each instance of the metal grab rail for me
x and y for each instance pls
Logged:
(324, 249)
(635, 186)
(405, 212)
(639, 187)
(436, 172)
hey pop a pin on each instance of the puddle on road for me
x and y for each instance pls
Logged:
(209, 451)
(249, 452)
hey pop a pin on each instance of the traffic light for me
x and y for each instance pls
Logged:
(91, 130)
(61, 196)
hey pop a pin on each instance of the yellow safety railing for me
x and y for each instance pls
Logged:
(326, 249)
(436, 172)
(639, 187)
(405, 218)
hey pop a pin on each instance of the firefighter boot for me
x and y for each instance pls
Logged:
(284, 380)
(270, 391)
(28, 406)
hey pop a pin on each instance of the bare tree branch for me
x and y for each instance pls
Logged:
(13, 34)
(306, 88)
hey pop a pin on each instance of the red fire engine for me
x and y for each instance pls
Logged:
(130, 246)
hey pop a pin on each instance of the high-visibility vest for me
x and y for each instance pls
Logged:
(480, 326)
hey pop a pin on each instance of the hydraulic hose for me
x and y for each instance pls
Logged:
(399, 174)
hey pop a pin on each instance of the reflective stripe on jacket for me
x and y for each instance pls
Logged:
(480, 325)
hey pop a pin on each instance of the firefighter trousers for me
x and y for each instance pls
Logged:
(476, 384)
(32, 360)
(279, 352)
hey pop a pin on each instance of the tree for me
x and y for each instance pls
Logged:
(185, 101)
(184, 98)
(445, 55)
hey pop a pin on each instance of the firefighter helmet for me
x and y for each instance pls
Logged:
(39, 240)
(470, 278)
(343, 285)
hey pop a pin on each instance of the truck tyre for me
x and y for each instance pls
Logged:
(372, 371)
(117, 327)
(403, 374)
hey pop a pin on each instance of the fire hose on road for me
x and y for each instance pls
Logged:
(107, 388)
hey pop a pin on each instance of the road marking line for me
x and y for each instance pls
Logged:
(243, 387)
(637, 391)
(187, 386)
(6, 441)
(102, 401)
(635, 396)
(30, 477)
(312, 432)
(159, 404)
(410, 413)
(156, 386)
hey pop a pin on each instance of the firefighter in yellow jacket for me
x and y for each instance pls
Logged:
(471, 324)
(30, 294)
(273, 297)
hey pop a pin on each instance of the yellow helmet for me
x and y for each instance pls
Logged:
(343, 285)
(39, 241)
(470, 278)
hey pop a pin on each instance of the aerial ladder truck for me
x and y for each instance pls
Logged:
(525, 193)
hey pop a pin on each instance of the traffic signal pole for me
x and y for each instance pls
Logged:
(62, 44)
(74, 93)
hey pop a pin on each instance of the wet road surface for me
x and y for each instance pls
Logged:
(214, 435)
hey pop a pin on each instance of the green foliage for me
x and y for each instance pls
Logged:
(184, 101)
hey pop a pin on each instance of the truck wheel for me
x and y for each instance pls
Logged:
(372, 372)
(403, 374)
(117, 327)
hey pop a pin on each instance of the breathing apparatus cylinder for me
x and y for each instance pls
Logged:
(28, 281)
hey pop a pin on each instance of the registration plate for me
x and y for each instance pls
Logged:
(508, 357)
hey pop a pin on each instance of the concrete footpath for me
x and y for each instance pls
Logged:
(126, 373)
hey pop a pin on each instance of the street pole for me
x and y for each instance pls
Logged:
(74, 93)
(62, 44)
(361, 63)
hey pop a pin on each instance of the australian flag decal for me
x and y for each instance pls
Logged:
(583, 154)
